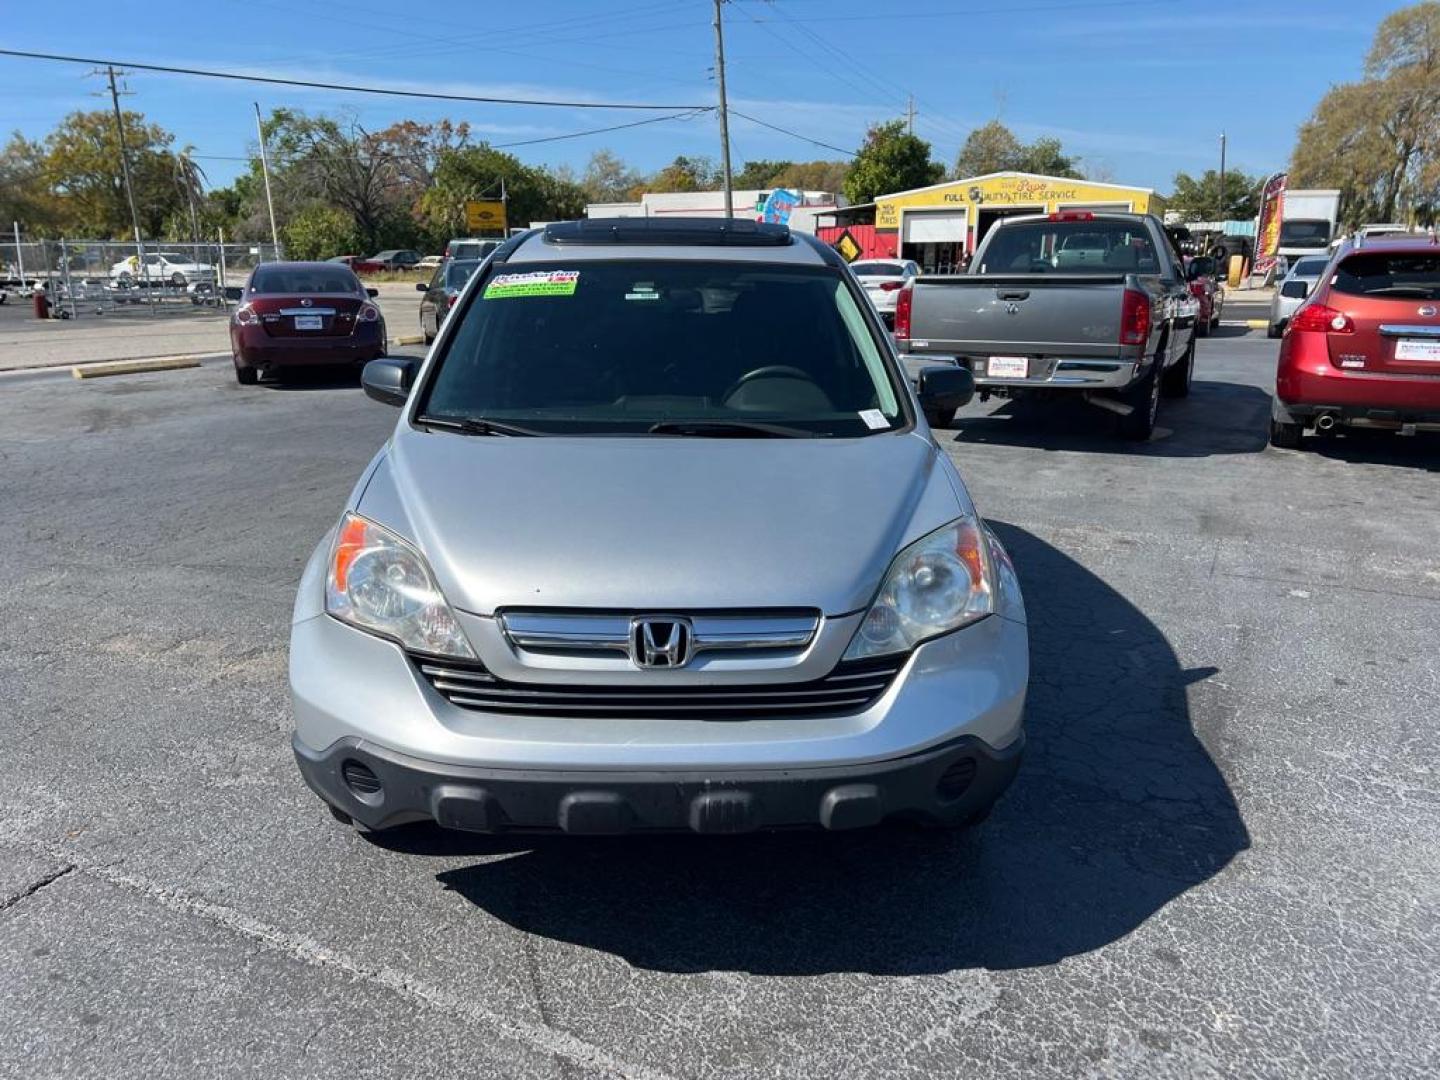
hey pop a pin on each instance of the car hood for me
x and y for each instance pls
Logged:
(661, 523)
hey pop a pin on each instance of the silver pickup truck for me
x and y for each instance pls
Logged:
(1076, 302)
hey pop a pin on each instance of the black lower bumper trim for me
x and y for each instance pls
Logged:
(947, 784)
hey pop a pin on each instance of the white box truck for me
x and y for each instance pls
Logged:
(1308, 219)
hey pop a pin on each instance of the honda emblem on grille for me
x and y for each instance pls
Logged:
(661, 641)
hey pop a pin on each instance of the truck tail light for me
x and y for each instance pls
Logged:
(903, 304)
(1320, 319)
(1134, 318)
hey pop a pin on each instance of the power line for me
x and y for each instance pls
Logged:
(792, 134)
(348, 88)
(688, 114)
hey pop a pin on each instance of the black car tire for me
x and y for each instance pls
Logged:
(1144, 400)
(246, 376)
(939, 419)
(1285, 435)
(1273, 331)
(1176, 381)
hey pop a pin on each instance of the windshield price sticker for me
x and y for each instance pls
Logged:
(535, 283)
(874, 419)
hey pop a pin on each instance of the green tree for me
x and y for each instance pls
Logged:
(760, 174)
(608, 179)
(320, 232)
(890, 160)
(25, 192)
(993, 148)
(1199, 199)
(1045, 157)
(82, 167)
(813, 176)
(1378, 139)
(478, 172)
(990, 148)
(687, 174)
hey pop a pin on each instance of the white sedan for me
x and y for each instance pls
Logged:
(883, 279)
(163, 268)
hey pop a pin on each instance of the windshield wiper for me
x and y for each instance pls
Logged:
(474, 425)
(728, 429)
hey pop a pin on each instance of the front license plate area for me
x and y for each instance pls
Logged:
(1008, 367)
(309, 322)
(1417, 349)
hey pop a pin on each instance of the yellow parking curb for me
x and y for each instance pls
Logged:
(1258, 324)
(410, 339)
(132, 367)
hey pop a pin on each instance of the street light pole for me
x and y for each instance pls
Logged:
(265, 169)
(724, 111)
(1222, 177)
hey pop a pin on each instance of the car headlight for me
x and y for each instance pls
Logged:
(379, 583)
(939, 583)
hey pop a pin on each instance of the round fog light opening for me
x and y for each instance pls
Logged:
(360, 779)
(956, 780)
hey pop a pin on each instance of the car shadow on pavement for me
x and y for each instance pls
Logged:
(1217, 418)
(318, 379)
(1118, 810)
(1362, 447)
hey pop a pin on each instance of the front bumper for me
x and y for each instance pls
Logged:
(380, 788)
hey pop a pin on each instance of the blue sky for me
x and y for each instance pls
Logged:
(1137, 88)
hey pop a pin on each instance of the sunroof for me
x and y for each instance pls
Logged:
(735, 232)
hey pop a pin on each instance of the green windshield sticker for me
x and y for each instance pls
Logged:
(535, 283)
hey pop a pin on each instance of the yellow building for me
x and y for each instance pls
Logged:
(935, 225)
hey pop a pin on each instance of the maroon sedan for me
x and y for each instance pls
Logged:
(304, 315)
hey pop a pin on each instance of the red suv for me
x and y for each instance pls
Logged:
(1364, 349)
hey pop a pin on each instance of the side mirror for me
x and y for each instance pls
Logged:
(372, 293)
(388, 379)
(234, 293)
(945, 389)
(1295, 290)
(420, 286)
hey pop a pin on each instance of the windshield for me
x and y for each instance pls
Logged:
(609, 348)
(1304, 233)
(1402, 275)
(878, 269)
(1091, 247)
(459, 271)
(293, 280)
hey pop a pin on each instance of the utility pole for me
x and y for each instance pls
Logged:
(141, 269)
(724, 111)
(265, 170)
(1222, 177)
(910, 115)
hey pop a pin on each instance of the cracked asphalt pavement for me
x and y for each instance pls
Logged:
(1220, 857)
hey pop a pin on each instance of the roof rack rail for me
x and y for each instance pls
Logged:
(686, 231)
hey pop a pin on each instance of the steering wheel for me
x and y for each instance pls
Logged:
(769, 371)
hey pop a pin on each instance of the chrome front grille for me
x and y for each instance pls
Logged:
(849, 688)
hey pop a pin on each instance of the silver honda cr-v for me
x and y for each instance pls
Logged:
(661, 541)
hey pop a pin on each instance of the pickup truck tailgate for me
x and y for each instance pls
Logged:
(1074, 315)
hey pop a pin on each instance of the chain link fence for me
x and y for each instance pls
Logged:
(93, 277)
